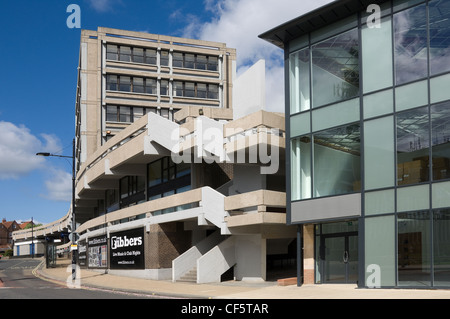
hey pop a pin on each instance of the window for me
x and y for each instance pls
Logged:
(414, 249)
(202, 61)
(138, 55)
(413, 142)
(440, 138)
(131, 84)
(335, 68)
(193, 61)
(410, 44)
(132, 190)
(196, 90)
(189, 61)
(164, 89)
(138, 85)
(125, 84)
(337, 161)
(177, 60)
(213, 63)
(111, 82)
(111, 113)
(166, 178)
(299, 64)
(125, 114)
(138, 112)
(150, 56)
(125, 54)
(150, 86)
(164, 60)
(112, 52)
(439, 12)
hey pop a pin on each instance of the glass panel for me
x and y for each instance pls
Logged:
(125, 54)
(213, 91)
(111, 113)
(380, 202)
(213, 63)
(379, 250)
(413, 198)
(138, 85)
(178, 89)
(150, 56)
(112, 52)
(439, 88)
(411, 95)
(177, 60)
(441, 244)
(300, 124)
(379, 159)
(125, 114)
(337, 161)
(335, 115)
(125, 84)
(441, 194)
(414, 249)
(201, 90)
(151, 86)
(154, 173)
(335, 68)
(334, 267)
(189, 89)
(138, 112)
(164, 89)
(189, 61)
(111, 82)
(377, 104)
(377, 56)
(299, 81)
(410, 40)
(138, 55)
(413, 146)
(440, 138)
(164, 59)
(439, 12)
(301, 168)
(124, 188)
(202, 60)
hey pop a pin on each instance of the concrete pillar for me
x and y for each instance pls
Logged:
(308, 254)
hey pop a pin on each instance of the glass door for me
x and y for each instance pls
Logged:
(339, 258)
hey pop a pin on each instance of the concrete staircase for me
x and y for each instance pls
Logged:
(190, 276)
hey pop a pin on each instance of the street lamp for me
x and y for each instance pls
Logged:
(74, 260)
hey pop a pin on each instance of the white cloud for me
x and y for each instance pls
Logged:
(59, 186)
(18, 148)
(103, 5)
(238, 24)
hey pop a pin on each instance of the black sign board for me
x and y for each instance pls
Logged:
(127, 249)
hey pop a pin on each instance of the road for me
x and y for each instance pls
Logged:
(17, 281)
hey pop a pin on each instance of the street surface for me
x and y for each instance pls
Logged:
(17, 281)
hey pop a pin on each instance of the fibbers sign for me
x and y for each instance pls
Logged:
(127, 249)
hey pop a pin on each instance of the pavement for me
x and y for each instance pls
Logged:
(90, 279)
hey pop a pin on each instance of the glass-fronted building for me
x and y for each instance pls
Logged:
(368, 123)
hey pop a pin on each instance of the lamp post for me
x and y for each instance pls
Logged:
(74, 260)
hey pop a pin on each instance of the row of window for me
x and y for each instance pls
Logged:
(150, 56)
(133, 84)
(409, 148)
(164, 178)
(137, 55)
(130, 114)
(409, 45)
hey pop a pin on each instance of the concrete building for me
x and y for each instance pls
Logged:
(179, 171)
(368, 125)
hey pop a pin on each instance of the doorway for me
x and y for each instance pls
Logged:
(339, 257)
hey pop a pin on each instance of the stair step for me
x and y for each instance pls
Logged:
(190, 276)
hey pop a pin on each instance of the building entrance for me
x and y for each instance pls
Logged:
(338, 253)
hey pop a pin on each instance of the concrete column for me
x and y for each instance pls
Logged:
(308, 254)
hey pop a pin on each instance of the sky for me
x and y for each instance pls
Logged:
(38, 77)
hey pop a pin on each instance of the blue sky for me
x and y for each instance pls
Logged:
(39, 56)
